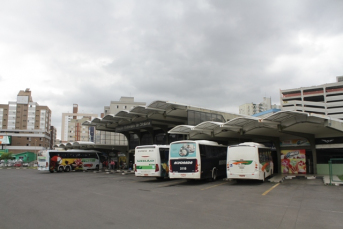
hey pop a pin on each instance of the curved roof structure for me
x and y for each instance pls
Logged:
(157, 115)
(281, 124)
(90, 145)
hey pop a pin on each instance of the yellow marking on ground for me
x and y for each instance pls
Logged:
(266, 192)
(213, 186)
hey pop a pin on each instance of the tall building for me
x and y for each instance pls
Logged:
(72, 129)
(27, 123)
(326, 99)
(253, 108)
(111, 138)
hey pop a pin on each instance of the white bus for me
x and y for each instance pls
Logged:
(70, 160)
(152, 161)
(249, 160)
(197, 159)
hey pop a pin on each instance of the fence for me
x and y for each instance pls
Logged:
(335, 169)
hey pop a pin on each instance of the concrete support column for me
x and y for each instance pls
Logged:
(314, 154)
(276, 142)
(152, 134)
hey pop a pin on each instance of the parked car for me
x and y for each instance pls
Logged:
(25, 164)
(18, 164)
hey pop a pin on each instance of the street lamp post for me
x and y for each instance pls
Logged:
(36, 148)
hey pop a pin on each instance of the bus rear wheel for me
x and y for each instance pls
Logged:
(67, 169)
(60, 169)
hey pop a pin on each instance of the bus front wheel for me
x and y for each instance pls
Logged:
(60, 169)
(67, 169)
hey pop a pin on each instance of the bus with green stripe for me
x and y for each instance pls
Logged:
(152, 161)
(249, 160)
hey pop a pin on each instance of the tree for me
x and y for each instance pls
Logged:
(5, 156)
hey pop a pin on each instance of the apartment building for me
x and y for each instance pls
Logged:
(72, 129)
(253, 108)
(27, 122)
(326, 99)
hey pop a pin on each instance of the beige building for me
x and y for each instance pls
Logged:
(254, 108)
(72, 129)
(27, 122)
(326, 99)
(111, 138)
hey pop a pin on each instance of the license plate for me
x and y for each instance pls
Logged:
(146, 174)
(242, 175)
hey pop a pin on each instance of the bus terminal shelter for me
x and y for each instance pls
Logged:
(296, 138)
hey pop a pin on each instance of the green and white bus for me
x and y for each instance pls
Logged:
(249, 160)
(70, 160)
(152, 161)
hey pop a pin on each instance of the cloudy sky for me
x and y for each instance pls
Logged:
(213, 54)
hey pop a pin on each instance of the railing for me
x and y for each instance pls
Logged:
(339, 163)
(312, 92)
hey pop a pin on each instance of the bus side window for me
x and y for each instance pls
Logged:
(203, 150)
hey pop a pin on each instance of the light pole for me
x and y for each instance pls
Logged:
(36, 148)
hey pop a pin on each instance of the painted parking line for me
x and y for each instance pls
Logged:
(214, 186)
(266, 192)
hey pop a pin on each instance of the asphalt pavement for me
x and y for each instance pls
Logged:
(32, 199)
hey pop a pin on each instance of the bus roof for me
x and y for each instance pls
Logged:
(205, 142)
(251, 144)
(74, 151)
(152, 146)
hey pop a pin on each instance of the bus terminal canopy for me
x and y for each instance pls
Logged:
(283, 124)
(157, 115)
(91, 146)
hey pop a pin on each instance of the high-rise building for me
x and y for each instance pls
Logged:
(72, 129)
(28, 124)
(253, 108)
(111, 138)
(326, 99)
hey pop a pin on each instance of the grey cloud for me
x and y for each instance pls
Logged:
(214, 54)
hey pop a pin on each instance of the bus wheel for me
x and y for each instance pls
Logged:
(60, 169)
(67, 169)
(214, 174)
